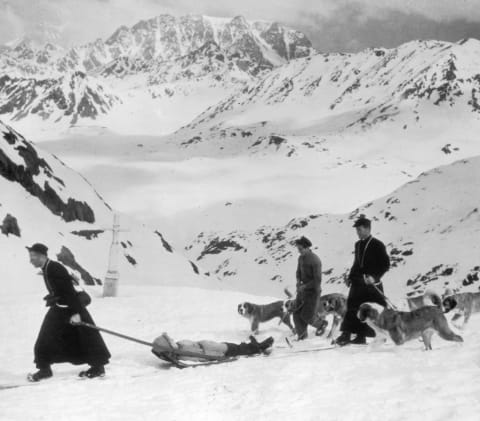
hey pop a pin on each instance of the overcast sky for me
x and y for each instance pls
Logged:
(332, 25)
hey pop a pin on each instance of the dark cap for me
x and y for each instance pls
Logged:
(362, 221)
(304, 242)
(38, 248)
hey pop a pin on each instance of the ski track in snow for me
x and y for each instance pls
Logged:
(393, 383)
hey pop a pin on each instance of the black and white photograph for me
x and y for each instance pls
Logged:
(240, 210)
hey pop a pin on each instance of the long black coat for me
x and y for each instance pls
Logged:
(309, 275)
(58, 341)
(371, 258)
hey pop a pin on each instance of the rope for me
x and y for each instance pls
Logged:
(389, 303)
(111, 332)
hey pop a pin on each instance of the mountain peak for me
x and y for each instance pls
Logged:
(239, 20)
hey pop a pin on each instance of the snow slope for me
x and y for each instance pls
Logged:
(394, 93)
(398, 384)
(45, 201)
(430, 227)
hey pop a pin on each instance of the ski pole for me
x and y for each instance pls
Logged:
(111, 332)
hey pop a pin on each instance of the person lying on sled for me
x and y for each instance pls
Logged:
(195, 350)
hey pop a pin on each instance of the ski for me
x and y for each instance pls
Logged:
(303, 345)
(14, 386)
(28, 383)
(293, 351)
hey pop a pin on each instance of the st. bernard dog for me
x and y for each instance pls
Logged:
(261, 313)
(402, 326)
(464, 303)
(329, 304)
(334, 304)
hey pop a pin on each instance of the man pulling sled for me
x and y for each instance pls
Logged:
(59, 340)
(68, 333)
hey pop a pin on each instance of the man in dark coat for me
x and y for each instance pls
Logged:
(59, 339)
(309, 278)
(370, 264)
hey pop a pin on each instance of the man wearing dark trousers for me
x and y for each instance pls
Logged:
(59, 340)
(371, 262)
(309, 278)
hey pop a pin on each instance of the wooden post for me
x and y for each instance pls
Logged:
(110, 286)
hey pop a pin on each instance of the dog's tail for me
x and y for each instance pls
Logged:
(288, 293)
(432, 298)
(444, 330)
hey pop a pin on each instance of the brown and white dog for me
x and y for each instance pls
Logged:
(402, 326)
(464, 303)
(261, 313)
(329, 304)
(334, 304)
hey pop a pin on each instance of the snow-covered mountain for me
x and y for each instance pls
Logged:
(27, 58)
(197, 60)
(405, 91)
(255, 45)
(430, 226)
(68, 99)
(44, 201)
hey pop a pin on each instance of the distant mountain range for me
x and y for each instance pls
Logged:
(212, 78)
(163, 56)
(255, 46)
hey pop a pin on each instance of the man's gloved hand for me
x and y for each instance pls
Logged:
(75, 319)
(369, 279)
(50, 300)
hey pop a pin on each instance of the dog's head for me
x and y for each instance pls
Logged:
(289, 306)
(245, 309)
(325, 306)
(331, 303)
(369, 311)
(449, 303)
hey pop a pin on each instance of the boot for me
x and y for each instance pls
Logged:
(41, 374)
(93, 371)
(359, 340)
(302, 336)
(266, 344)
(343, 339)
(261, 346)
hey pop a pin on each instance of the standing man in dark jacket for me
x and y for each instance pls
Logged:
(370, 264)
(59, 340)
(309, 278)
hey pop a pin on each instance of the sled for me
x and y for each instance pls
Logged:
(174, 360)
(166, 350)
